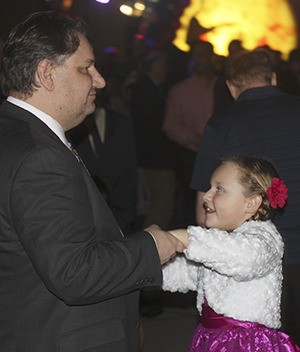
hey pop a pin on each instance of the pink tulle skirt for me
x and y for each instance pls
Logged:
(217, 333)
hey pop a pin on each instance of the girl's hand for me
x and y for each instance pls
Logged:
(181, 235)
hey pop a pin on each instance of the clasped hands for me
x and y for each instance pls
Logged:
(168, 243)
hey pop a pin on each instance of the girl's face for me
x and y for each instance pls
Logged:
(226, 207)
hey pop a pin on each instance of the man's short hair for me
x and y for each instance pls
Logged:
(42, 35)
(250, 67)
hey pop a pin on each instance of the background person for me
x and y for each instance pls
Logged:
(190, 103)
(106, 144)
(263, 122)
(155, 152)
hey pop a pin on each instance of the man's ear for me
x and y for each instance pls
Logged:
(254, 204)
(44, 77)
(232, 89)
(274, 79)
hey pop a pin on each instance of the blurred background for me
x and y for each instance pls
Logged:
(114, 23)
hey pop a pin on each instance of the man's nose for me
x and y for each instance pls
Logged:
(98, 80)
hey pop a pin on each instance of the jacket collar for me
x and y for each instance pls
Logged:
(259, 93)
(15, 112)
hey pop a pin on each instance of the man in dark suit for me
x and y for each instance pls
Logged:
(69, 280)
(263, 122)
(105, 142)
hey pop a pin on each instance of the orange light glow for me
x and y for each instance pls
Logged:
(66, 4)
(254, 22)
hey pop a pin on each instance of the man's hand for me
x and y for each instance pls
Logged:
(167, 245)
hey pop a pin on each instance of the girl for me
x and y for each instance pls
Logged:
(235, 264)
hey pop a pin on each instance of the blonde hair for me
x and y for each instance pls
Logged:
(255, 175)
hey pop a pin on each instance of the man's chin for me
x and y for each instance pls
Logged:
(91, 108)
(88, 111)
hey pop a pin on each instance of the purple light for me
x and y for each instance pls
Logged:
(103, 1)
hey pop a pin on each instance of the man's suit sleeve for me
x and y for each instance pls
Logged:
(71, 237)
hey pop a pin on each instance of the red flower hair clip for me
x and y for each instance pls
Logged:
(277, 193)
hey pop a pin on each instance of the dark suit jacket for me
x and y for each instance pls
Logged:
(112, 161)
(69, 280)
(154, 149)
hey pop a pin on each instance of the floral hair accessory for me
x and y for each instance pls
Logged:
(277, 193)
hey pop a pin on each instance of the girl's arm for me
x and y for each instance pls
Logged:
(253, 250)
(181, 234)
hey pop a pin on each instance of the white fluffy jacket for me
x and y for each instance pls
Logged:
(240, 273)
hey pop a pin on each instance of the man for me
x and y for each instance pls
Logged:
(69, 280)
(263, 122)
(155, 152)
(105, 142)
(190, 103)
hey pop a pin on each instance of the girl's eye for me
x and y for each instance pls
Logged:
(220, 189)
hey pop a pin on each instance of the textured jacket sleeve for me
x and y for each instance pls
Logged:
(180, 275)
(252, 250)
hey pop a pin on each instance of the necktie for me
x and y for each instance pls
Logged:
(77, 156)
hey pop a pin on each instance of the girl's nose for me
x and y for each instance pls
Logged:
(207, 195)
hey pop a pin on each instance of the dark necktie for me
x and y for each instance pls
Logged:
(77, 156)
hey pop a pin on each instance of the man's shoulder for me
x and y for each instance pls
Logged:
(252, 109)
(13, 128)
(10, 111)
(224, 115)
(289, 99)
(263, 95)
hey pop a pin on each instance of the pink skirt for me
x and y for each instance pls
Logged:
(218, 333)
